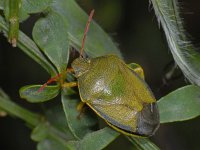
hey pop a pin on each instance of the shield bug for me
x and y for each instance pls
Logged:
(115, 91)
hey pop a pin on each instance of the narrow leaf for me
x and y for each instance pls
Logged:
(52, 129)
(96, 140)
(15, 110)
(40, 132)
(50, 33)
(80, 123)
(46, 130)
(184, 53)
(182, 104)
(143, 143)
(31, 94)
(51, 144)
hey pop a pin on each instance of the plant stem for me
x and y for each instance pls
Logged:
(13, 21)
(15, 110)
(142, 143)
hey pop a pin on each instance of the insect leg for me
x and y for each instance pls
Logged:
(56, 78)
(80, 108)
(70, 70)
(49, 81)
(70, 84)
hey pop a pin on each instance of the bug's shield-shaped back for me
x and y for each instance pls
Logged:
(119, 95)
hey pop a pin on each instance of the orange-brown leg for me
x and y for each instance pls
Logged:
(56, 78)
(80, 107)
(69, 84)
(49, 81)
(70, 70)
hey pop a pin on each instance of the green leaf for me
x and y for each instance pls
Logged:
(51, 144)
(27, 7)
(97, 42)
(23, 15)
(60, 123)
(184, 53)
(142, 143)
(50, 33)
(31, 94)
(35, 6)
(52, 133)
(40, 132)
(182, 104)
(51, 127)
(30, 48)
(2, 4)
(30, 6)
(15, 110)
(3, 96)
(45, 130)
(6, 9)
(82, 125)
(96, 140)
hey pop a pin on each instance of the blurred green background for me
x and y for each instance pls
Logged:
(134, 28)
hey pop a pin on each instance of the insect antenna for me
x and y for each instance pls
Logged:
(85, 32)
(54, 79)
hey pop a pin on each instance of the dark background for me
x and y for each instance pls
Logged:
(134, 28)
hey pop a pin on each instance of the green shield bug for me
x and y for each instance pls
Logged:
(115, 91)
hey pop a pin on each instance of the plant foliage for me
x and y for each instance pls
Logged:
(65, 20)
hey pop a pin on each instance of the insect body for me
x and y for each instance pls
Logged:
(117, 94)
(115, 91)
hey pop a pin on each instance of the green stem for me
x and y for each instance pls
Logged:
(15, 110)
(13, 21)
(142, 143)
